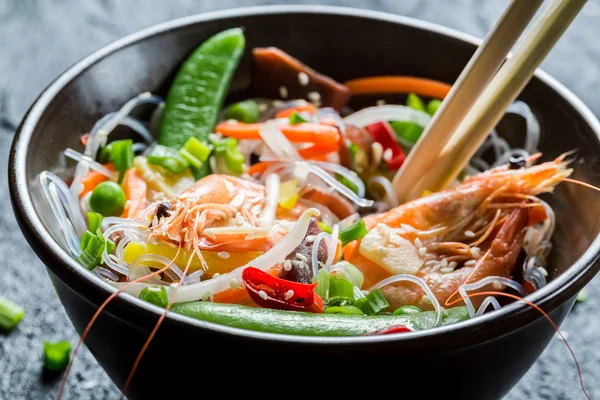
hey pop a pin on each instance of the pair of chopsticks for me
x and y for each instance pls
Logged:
(479, 98)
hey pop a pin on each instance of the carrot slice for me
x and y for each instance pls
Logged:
(93, 178)
(307, 107)
(399, 84)
(135, 190)
(535, 215)
(303, 133)
(315, 151)
(259, 167)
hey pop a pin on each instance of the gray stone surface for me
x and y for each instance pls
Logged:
(39, 39)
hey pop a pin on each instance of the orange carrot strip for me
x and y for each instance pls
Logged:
(303, 133)
(349, 249)
(259, 167)
(93, 178)
(535, 215)
(399, 84)
(307, 107)
(316, 151)
(135, 190)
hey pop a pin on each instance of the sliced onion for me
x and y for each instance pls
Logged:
(193, 277)
(343, 171)
(371, 115)
(277, 142)
(267, 217)
(338, 186)
(330, 113)
(275, 255)
(390, 194)
(422, 284)
(96, 166)
(486, 302)
(350, 219)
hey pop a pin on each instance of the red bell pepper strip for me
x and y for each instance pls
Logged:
(271, 292)
(399, 328)
(383, 134)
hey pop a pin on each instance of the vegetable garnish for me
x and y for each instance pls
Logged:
(121, 154)
(56, 355)
(375, 303)
(297, 118)
(271, 292)
(322, 280)
(136, 189)
(341, 291)
(10, 314)
(92, 248)
(399, 84)
(415, 102)
(199, 89)
(108, 199)
(93, 178)
(343, 310)
(195, 152)
(245, 111)
(407, 310)
(234, 159)
(324, 227)
(433, 106)
(168, 158)
(383, 134)
(156, 295)
(352, 232)
(94, 221)
(304, 107)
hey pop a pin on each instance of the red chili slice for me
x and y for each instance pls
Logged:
(271, 292)
(399, 328)
(383, 133)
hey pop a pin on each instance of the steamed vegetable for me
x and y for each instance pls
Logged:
(309, 324)
(10, 314)
(199, 89)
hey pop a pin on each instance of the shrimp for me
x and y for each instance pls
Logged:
(456, 236)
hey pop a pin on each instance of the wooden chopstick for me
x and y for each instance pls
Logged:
(471, 82)
(502, 91)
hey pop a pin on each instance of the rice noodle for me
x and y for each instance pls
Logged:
(137, 266)
(488, 280)
(63, 199)
(193, 277)
(315, 251)
(106, 274)
(96, 166)
(388, 112)
(343, 171)
(338, 186)
(390, 198)
(349, 220)
(267, 217)
(332, 246)
(330, 113)
(327, 216)
(532, 136)
(486, 302)
(422, 284)
(277, 142)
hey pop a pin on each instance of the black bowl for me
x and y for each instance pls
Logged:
(480, 359)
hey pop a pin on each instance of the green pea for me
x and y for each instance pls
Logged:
(407, 310)
(108, 199)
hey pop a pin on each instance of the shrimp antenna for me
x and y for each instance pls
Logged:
(97, 314)
(575, 181)
(535, 306)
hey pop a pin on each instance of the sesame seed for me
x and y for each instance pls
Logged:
(233, 283)
(380, 102)
(543, 271)
(497, 285)
(301, 257)
(287, 265)
(388, 154)
(469, 234)
(216, 275)
(263, 295)
(310, 238)
(262, 107)
(223, 254)
(283, 92)
(303, 78)
(422, 251)
(476, 252)
(289, 294)
(376, 153)
(418, 243)
(444, 263)
(470, 263)
(314, 96)
(446, 270)
(452, 264)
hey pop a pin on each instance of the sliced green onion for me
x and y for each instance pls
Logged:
(353, 149)
(193, 161)
(297, 118)
(197, 149)
(156, 295)
(245, 111)
(583, 295)
(105, 154)
(375, 303)
(201, 172)
(433, 106)
(92, 247)
(168, 158)
(322, 280)
(415, 102)
(10, 314)
(350, 272)
(341, 291)
(56, 355)
(324, 227)
(407, 310)
(122, 156)
(406, 131)
(360, 302)
(234, 160)
(353, 232)
(94, 221)
(343, 310)
(348, 183)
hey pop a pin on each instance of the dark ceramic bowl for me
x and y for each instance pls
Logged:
(480, 359)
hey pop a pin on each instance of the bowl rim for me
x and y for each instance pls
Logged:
(557, 292)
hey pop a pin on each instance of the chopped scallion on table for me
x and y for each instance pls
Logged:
(10, 314)
(56, 355)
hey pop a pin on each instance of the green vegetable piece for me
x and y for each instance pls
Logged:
(92, 247)
(583, 295)
(341, 291)
(197, 149)
(234, 160)
(353, 149)
(297, 118)
(408, 132)
(350, 272)
(105, 154)
(415, 102)
(360, 302)
(323, 280)
(57, 355)
(201, 172)
(108, 199)
(192, 161)
(433, 106)
(168, 158)
(94, 221)
(245, 111)
(324, 227)
(309, 324)
(375, 303)
(122, 156)
(10, 314)
(352, 232)
(343, 310)
(346, 182)
(199, 89)
(222, 145)
(156, 295)
(407, 310)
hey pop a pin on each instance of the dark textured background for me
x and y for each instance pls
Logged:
(39, 39)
